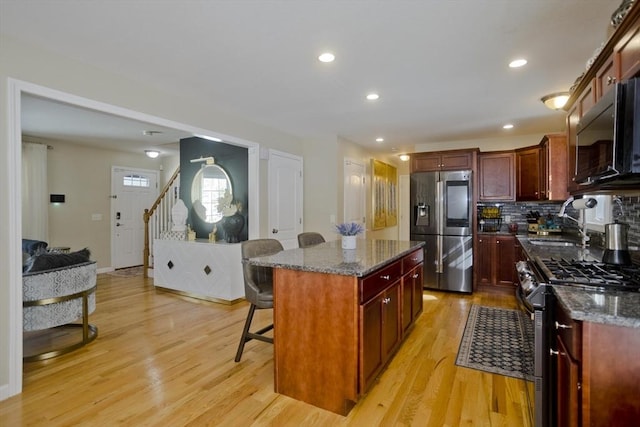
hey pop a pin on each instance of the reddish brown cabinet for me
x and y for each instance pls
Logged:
(541, 170)
(530, 168)
(495, 256)
(496, 176)
(381, 331)
(442, 161)
(597, 372)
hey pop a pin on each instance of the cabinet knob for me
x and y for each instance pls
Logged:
(552, 352)
(415, 276)
(610, 80)
(386, 300)
(561, 326)
(387, 277)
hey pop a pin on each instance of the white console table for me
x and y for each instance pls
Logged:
(199, 269)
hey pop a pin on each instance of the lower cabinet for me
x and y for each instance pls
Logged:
(495, 257)
(381, 331)
(597, 373)
(411, 297)
(386, 316)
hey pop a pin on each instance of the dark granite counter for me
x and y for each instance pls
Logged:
(329, 257)
(607, 307)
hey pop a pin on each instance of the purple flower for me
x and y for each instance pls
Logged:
(349, 228)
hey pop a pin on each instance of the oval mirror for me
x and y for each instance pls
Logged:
(209, 185)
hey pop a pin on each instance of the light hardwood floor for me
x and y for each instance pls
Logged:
(165, 360)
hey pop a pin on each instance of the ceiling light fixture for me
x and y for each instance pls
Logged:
(517, 63)
(327, 57)
(507, 126)
(404, 157)
(373, 96)
(152, 153)
(379, 139)
(556, 100)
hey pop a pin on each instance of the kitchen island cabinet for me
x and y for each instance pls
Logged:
(338, 316)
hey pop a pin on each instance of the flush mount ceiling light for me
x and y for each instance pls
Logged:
(555, 101)
(373, 96)
(404, 157)
(379, 139)
(517, 63)
(507, 126)
(152, 153)
(327, 57)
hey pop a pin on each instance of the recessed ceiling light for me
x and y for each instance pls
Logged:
(517, 63)
(327, 57)
(373, 96)
(379, 139)
(152, 153)
(507, 126)
(404, 157)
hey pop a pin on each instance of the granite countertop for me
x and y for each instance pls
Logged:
(609, 307)
(616, 308)
(329, 257)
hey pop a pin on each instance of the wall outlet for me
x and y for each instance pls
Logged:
(507, 218)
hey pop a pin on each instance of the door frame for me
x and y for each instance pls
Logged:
(299, 196)
(15, 89)
(111, 206)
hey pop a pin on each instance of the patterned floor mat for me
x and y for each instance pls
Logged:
(499, 341)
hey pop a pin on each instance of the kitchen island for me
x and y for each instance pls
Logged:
(340, 315)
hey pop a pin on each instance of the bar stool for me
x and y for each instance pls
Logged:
(309, 239)
(258, 287)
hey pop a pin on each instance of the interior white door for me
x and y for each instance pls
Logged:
(354, 192)
(285, 198)
(133, 191)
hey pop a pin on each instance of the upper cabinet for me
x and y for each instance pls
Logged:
(496, 176)
(442, 161)
(541, 170)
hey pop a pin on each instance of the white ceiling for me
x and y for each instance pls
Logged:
(440, 66)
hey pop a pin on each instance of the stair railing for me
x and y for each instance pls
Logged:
(158, 217)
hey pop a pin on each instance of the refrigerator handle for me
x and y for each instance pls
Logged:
(440, 206)
(439, 268)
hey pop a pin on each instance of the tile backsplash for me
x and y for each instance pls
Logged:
(627, 210)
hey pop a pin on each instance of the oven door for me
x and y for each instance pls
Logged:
(537, 301)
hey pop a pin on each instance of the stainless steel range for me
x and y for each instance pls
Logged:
(536, 297)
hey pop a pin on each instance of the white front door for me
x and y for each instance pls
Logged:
(285, 198)
(133, 191)
(354, 192)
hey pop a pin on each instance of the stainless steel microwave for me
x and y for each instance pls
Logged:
(608, 137)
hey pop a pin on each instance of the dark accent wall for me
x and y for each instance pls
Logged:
(233, 159)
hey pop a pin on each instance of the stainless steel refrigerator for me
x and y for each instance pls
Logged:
(441, 207)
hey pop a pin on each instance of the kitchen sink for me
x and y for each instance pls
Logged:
(550, 242)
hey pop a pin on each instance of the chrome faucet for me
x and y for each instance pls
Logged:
(584, 203)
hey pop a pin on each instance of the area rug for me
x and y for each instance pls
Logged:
(127, 272)
(499, 341)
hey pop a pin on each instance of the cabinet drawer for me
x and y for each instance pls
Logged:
(570, 331)
(376, 282)
(411, 260)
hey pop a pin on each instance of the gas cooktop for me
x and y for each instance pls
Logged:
(559, 271)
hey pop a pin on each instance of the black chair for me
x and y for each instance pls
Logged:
(258, 287)
(309, 239)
